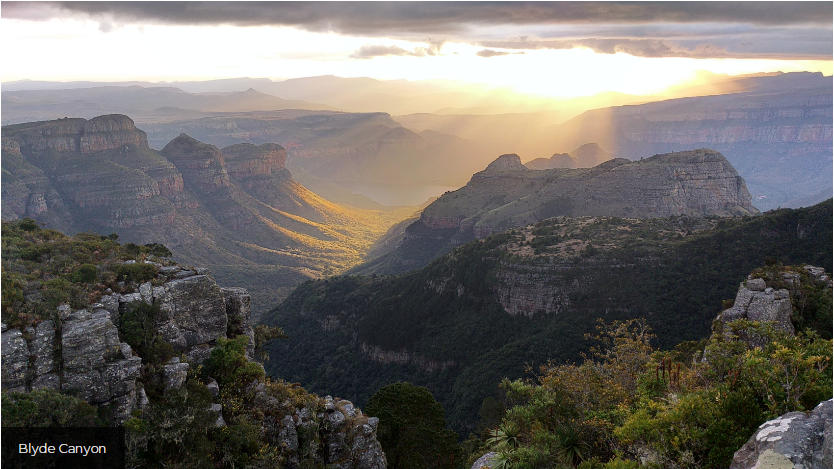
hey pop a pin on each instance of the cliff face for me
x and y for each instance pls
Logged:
(232, 207)
(200, 164)
(780, 140)
(101, 133)
(81, 354)
(508, 194)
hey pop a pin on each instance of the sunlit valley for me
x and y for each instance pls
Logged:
(555, 241)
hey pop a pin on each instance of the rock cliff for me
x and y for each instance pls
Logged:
(779, 140)
(508, 194)
(228, 208)
(80, 353)
(757, 301)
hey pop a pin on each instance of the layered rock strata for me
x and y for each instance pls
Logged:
(508, 194)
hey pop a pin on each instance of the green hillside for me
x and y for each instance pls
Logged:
(446, 326)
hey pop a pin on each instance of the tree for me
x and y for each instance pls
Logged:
(412, 428)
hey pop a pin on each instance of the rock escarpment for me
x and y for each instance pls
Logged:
(508, 194)
(81, 353)
(212, 208)
(779, 139)
(795, 439)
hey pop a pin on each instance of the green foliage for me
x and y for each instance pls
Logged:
(412, 428)
(229, 366)
(264, 334)
(672, 272)
(174, 432)
(85, 273)
(138, 272)
(158, 250)
(623, 399)
(46, 408)
(137, 327)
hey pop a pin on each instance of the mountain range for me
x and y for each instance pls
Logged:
(774, 128)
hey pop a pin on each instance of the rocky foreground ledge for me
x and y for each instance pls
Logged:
(80, 353)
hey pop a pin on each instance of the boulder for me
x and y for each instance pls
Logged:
(485, 461)
(793, 440)
(174, 374)
(193, 312)
(755, 302)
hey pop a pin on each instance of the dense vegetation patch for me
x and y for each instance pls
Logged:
(628, 401)
(345, 332)
(43, 268)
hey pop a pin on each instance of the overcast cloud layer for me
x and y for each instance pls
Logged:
(647, 29)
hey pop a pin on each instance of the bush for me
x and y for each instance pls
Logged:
(86, 273)
(47, 408)
(138, 272)
(412, 428)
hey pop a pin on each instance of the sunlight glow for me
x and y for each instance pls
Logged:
(164, 53)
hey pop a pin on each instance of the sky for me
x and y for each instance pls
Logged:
(547, 48)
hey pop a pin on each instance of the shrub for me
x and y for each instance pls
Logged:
(412, 428)
(86, 273)
(139, 272)
(47, 408)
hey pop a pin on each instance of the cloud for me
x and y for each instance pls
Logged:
(490, 53)
(377, 50)
(651, 48)
(646, 29)
(427, 17)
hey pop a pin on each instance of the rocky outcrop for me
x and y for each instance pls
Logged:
(509, 162)
(403, 357)
(756, 302)
(508, 194)
(82, 356)
(793, 440)
(485, 462)
(525, 291)
(329, 431)
(111, 132)
(105, 173)
(200, 164)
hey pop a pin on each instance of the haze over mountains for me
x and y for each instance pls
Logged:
(775, 129)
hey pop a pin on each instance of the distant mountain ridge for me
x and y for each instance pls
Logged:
(779, 137)
(508, 194)
(144, 103)
(234, 209)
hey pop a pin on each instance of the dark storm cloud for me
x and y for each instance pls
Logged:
(490, 53)
(365, 18)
